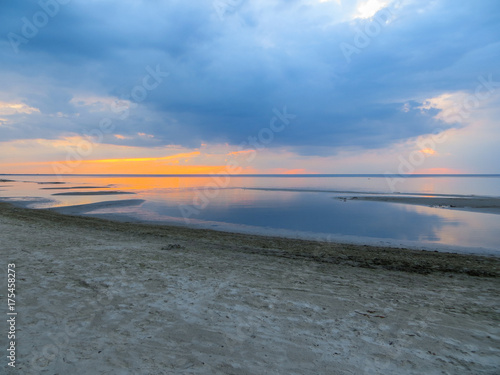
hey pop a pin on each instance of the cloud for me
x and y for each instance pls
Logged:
(368, 9)
(16, 108)
(227, 75)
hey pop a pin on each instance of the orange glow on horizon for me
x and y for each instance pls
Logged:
(171, 157)
(242, 152)
(290, 171)
(139, 167)
(428, 151)
(297, 171)
(439, 171)
(122, 166)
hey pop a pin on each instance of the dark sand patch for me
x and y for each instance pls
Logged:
(114, 192)
(76, 187)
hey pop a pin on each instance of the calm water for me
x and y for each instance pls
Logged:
(294, 206)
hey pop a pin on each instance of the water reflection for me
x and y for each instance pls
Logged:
(302, 211)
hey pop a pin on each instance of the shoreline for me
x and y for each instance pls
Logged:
(86, 210)
(356, 255)
(480, 204)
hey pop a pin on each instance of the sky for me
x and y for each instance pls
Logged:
(249, 86)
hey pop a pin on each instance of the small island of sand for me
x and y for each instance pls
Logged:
(477, 204)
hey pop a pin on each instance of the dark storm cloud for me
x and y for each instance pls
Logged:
(229, 70)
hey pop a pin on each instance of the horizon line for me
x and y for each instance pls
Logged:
(264, 174)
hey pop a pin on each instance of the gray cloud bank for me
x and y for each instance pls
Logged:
(230, 67)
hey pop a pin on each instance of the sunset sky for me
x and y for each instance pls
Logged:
(249, 86)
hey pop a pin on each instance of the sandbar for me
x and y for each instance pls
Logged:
(477, 204)
(112, 192)
(80, 209)
(76, 187)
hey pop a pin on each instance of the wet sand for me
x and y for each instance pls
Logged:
(81, 209)
(76, 187)
(95, 193)
(102, 297)
(477, 204)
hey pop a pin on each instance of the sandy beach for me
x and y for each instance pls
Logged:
(229, 187)
(101, 297)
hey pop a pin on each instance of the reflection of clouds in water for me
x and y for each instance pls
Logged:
(387, 220)
(317, 212)
(462, 227)
(311, 212)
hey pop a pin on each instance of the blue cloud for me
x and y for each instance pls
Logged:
(227, 75)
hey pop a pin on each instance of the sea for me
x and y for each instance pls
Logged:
(318, 207)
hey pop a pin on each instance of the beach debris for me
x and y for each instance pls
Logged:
(368, 314)
(85, 284)
(172, 246)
